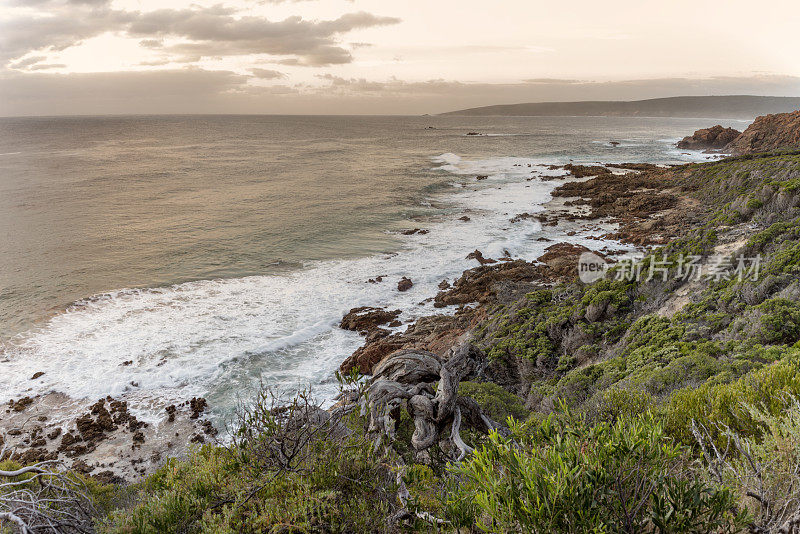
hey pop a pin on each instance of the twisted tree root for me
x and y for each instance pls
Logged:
(406, 378)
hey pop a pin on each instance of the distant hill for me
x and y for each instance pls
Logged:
(731, 107)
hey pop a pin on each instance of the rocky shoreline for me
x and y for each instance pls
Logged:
(623, 206)
(640, 359)
(629, 204)
(104, 440)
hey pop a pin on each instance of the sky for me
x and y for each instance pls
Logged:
(375, 56)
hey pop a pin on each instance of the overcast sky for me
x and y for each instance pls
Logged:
(376, 56)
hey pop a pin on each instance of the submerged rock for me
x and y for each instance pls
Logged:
(404, 284)
(478, 255)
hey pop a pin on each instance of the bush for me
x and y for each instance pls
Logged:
(780, 320)
(724, 405)
(566, 476)
(278, 475)
(616, 404)
(763, 472)
(496, 402)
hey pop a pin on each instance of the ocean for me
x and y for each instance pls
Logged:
(160, 258)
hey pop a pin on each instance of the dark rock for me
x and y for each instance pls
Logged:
(107, 477)
(82, 467)
(714, 138)
(197, 405)
(477, 285)
(522, 216)
(404, 284)
(94, 425)
(478, 255)
(33, 456)
(208, 428)
(435, 334)
(21, 404)
(582, 171)
(37, 375)
(562, 259)
(366, 318)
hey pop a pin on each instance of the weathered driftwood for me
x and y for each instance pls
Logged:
(409, 367)
(405, 378)
(45, 499)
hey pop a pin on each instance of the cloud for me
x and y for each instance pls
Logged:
(48, 66)
(151, 43)
(57, 28)
(49, 3)
(27, 62)
(267, 74)
(215, 31)
(391, 86)
(553, 80)
(184, 90)
(193, 90)
(557, 89)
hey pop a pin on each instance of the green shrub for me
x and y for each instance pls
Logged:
(616, 404)
(780, 320)
(763, 472)
(496, 402)
(276, 477)
(718, 406)
(566, 476)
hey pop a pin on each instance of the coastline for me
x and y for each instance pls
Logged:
(140, 447)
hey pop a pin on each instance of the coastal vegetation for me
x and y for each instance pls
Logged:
(651, 403)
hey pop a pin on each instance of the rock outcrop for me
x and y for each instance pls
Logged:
(714, 138)
(367, 318)
(768, 132)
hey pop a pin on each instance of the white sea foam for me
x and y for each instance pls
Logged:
(220, 338)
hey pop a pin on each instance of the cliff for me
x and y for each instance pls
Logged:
(769, 132)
